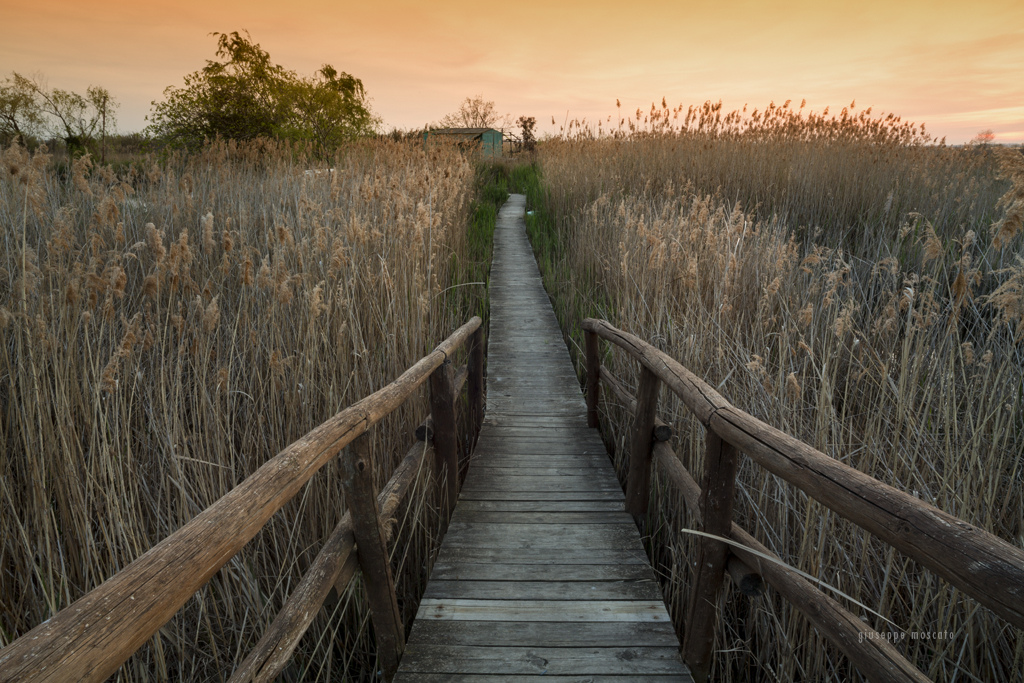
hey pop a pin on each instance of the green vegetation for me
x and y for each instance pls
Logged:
(247, 97)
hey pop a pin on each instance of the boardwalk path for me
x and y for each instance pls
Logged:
(541, 572)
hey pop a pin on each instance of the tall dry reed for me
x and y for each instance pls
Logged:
(164, 334)
(887, 333)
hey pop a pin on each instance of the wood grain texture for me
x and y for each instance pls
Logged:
(91, 638)
(541, 571)
(445, 434)
(372, 552)
(876, 658)
(716, 503)
(638, 487)
(979, 563)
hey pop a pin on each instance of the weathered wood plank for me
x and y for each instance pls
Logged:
(542, 484)
(549, 466)
(595, 536)
(644, 589)
(543, 661)
(549, 505)
(497, 494)
(479, 571)
(420, 677)
(552, 634)
(543, 610)
(558, 518)
(511, 555)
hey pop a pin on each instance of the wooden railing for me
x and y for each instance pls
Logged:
(91, 638)
(973, 560)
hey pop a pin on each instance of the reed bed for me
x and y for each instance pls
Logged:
(847, 280)
(165, 332)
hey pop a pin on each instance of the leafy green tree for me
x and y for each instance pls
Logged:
(247, 96)
(330, 108)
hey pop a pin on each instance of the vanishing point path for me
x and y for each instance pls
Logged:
(541, 572)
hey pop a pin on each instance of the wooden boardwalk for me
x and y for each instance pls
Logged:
(541, 572)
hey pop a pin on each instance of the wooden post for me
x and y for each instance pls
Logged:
(716, 501)
(475, 388)
(446, 446)
(593, 377)
(372, 551)
(638, 485)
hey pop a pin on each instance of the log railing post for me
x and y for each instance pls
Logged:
(638, 483)
(372, 552)
(593, 377)
(446, 446)
(475, 384)
(716, 503)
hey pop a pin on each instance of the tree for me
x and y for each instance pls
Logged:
(476, 112)
(29, 108)
(247, 96)
(20, 115)
(984, 138)
(527, 123)
(329, 108)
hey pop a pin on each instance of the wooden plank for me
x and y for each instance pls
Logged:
(512, 555)
(644, 589)
(541, 455)
(559, 518)
(595, 536)
(540, 465)
(543, 661)
(479, 571)
(420, 677)
(543, 610)
(491, 494)
(552, 634)
(549, 505)
(542, 484)
(513, 469)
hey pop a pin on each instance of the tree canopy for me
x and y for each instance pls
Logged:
(28, 108)
(246, 96)
(476, 112)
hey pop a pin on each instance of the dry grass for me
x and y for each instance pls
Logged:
(164, 334)
(887, 334)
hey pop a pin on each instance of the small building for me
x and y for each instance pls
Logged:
(487, 140)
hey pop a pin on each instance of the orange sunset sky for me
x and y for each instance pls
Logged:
(957, 66)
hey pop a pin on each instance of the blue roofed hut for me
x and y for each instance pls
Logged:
(486, 141)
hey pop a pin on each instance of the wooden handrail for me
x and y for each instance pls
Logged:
(972, 559)
(92, 637)
(875, 657)
(334, 566)
(977, 562)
